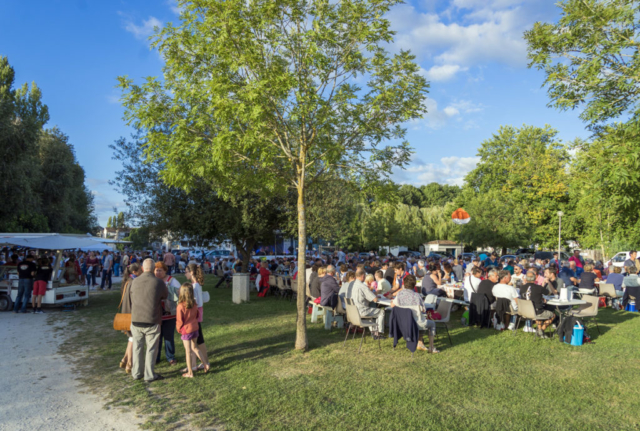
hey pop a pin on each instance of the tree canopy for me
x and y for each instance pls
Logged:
(268, 96)
(42, 187)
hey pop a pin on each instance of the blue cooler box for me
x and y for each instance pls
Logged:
(576, 337)
(631, 306)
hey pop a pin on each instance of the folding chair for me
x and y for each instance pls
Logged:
(358, 322)
(444, 308)
(588, 310)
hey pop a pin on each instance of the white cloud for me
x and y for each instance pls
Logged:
(444, 72)
(450, 111)
(450, 170)
(468, 33)
(175, 8)
(143, 31)
(467, 106)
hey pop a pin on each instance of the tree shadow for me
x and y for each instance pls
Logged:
(607, 318)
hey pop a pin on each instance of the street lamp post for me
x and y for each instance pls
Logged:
(560, 214)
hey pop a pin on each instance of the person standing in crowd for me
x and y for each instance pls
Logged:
(194, 274)
(26, 271)
(577, 259)
(42, 277)
(107, 268)
(129, 274)
(116, 264)
(125, 259)
(187, 315)
(168, 326)
(72, 270)
(92, 270)
(146, 295)
(169, 259)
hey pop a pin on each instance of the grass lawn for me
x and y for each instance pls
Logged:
(486, 380)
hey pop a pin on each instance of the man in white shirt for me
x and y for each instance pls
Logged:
(504, 290)
(383, 285)
(362, 296)
(471, 283)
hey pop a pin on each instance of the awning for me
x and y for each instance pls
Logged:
(53, 242)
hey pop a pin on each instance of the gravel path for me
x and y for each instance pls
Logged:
(38, 390)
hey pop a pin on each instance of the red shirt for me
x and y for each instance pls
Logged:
(264, 277)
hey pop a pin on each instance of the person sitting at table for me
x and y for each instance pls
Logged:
(471, 283)
(349, 278)
(552, 283)
(329, 288)
(399, 275)
(316, 283)
(506, 291)
(588, 278)
(517, 278)
(362, 297)
(631, 285)
(432, 282)
(408, 297)
(535, 293)
(486, 286)
(383, 285)
(448, 276)
(616, 278)
(370, 281)
(420, 271)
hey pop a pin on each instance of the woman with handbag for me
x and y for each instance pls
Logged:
(130, 272)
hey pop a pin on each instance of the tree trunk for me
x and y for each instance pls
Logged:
(246, 254)
(301, 324)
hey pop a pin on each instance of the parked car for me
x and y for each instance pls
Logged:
(618, 259)
(363, 255)
(524, 251)
(549, 255)
(408, 253)
(470, 256)
(434, 255)
(507, 258)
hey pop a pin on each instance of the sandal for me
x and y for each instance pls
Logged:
(173, 362)
(187, 376)
(434, 350)
(123, 364)
(128, 370)
(421, 347)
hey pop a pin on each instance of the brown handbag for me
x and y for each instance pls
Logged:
(122, 321)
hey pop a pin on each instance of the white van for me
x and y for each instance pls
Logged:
(619, 259)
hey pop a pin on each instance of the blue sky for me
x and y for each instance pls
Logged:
(472, 51)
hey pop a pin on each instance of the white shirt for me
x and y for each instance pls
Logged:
(508, 292)
(197, 294)
(471, 284)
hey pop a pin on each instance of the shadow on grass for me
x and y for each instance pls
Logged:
(606, 320)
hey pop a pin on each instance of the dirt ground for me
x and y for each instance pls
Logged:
(38, 389)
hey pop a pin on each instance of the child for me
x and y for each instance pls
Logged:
(43, 275)
(187, 323)
(264, 279)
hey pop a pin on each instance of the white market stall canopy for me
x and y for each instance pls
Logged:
(55, 241)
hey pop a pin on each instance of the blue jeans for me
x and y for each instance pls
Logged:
(116, 269)
(25, 287)
(167, 331)
(91, 276)
(106, 274)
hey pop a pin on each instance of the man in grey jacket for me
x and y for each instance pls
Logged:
(145, 296)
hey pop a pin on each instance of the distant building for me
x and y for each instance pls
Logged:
(443, 245)
(115, 233)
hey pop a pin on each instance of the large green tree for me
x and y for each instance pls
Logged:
(273, 95)
(198, 213)
(591, 62)
(41, 183)
(525, 168)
